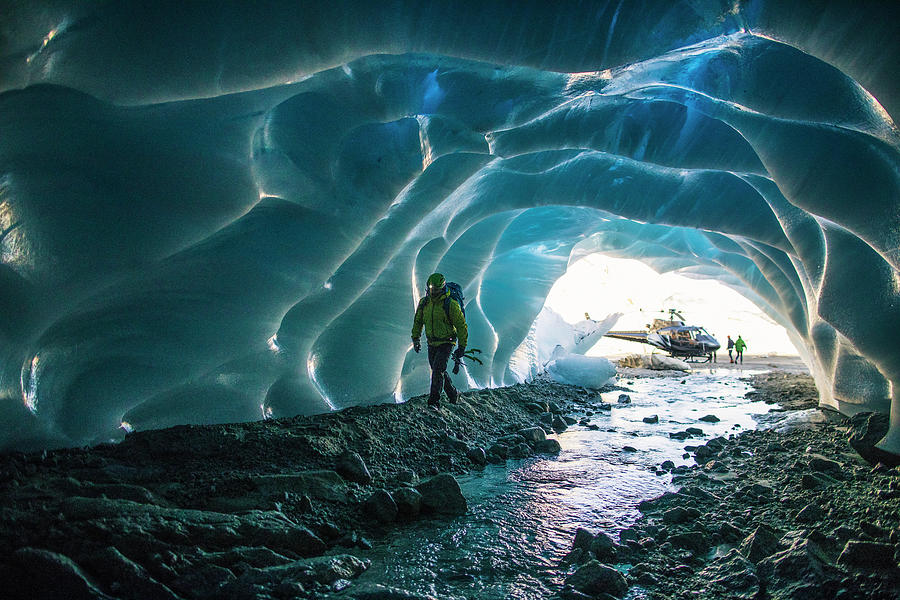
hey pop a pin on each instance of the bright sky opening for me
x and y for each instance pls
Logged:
(600, 285)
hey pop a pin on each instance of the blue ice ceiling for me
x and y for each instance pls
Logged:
(219, 214)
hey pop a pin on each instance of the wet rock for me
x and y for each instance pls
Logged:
(569, 420)
(866, 430)
(651, 419)
(811, 513)
(667, 465)
(521, 450)
(694, 431)
(352, 467)
(763, 542)
(710, 418)
(680, 435)
(51, 575)
(323, 570)
(533, 435)
(408, 501)
(583, 539)
(595, 578)
(603, 548)
(549, 446)
(605, 406)
(624, 399)
(730, 576)
(477, 456)
(871, 555)
(381, 506)
(442, 494)
(559, 424)
(629, 449)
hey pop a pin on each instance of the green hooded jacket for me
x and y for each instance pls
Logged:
(740, 344)
(430, 314)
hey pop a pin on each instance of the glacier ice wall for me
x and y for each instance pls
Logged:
(220, 214)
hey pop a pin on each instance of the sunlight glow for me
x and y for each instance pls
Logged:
(600, 285)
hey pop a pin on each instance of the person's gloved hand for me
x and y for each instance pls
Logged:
(459, 352)
(417, 345)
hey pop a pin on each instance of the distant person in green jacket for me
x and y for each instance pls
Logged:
(445, 325)
(739, 346)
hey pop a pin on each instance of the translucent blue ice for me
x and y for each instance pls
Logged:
(229, 214)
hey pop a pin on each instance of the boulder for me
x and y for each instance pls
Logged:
(866, 430)
(603, 547)
(595, 578)
(442, 494)
(408, 501)
(680, 514)
(352, 468)
(624, 399)
(871, 555)
(710, 419)
(533, 435)
(583, 539)
(651, 419)
(559, 424)
(761, 543)
(548, 446)
(381, 506)
(477, 456)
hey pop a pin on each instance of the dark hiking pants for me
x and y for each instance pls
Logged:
(437, 358)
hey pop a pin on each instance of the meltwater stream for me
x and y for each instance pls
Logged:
(523, 515)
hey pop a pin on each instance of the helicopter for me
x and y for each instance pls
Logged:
(690, 342)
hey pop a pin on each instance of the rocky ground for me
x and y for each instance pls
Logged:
(269, 509)
(794, 513)
(284, 508)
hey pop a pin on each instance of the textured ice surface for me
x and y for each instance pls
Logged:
(217, 214)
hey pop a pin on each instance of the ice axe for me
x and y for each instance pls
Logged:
(470, 354)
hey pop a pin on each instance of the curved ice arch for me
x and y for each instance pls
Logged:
(332, 261)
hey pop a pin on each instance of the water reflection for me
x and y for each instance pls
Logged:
(523, 516)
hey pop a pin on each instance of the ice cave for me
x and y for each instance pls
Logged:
(219, 214)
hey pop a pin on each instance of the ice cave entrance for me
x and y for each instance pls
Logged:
(600, 285)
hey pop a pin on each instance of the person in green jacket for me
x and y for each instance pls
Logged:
(739, 345)
(445, 325)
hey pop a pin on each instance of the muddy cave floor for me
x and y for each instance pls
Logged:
(287, 508)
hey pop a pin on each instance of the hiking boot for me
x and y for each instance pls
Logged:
(434, 404)
(453, 396)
